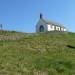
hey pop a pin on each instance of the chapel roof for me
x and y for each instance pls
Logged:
(50, 22)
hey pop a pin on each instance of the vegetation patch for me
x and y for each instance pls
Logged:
(37, 53)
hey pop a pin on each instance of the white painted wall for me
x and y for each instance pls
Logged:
(58, 28)
(62, 29)
(65, 29)
(50, 27)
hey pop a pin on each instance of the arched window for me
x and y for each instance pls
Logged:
(41, 28)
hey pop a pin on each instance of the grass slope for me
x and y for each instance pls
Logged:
(50, 53)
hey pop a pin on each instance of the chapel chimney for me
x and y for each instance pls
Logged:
(41, 16)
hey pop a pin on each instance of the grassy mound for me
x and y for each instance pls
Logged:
(37, 54)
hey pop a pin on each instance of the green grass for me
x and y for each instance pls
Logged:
(50, 53)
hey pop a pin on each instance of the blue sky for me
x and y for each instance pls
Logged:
(22, 15)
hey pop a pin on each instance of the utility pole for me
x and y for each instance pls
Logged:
(1, 26)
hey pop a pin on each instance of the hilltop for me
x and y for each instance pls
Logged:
(50, 53)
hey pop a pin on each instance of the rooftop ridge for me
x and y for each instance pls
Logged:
(52, 22)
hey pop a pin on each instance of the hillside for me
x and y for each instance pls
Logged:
(50, 53)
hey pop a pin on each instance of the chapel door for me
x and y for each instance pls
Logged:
(41, 28)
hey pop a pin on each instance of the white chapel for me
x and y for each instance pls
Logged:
(44, 25)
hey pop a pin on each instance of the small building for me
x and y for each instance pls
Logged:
(44, 25)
